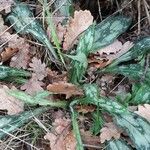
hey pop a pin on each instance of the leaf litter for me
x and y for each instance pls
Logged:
(16, 52)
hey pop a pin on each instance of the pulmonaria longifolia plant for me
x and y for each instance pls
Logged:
(93, 39)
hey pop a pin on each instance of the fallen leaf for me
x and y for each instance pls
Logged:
(106, 55)
(144, 111)
(20, 60)
(61, 30)
(85, 108)
(54, 76)
(6, 5)
(60, 124)
(33, 85)
(9, 103)
(64, 138)
(88, 138)
(81, 21)
(38, 68)
(109, 131)
(8, 53)
(65, 88)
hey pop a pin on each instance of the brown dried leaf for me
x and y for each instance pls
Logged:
(65, 88)
(8, 53)
(88, 138)
(54, 76)
(85, 108)
(22, 58)
(144, 111)
(81, 21)
(106, 55)
(9, 103)
(6, 5)
(63, 139)
(109, 131)
(61, 30)
(33, 85)
(38, 68)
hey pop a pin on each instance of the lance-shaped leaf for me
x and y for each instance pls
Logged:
(117, 145)
(137, 128)
(133, 71)
(140, 48)
(39, 98)
(24, 23)
(108, 30)
(65, 7)
(140, 94)
(79, 63)
(8, 72)
(11, 123)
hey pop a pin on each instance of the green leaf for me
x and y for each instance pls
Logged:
(92, 97)
(8, 72)
(37, 99)
(140, 94)
(79, 63)
(65, 7)
(11, 123)
(140, 48)
(108, 30)
(98, 122)
(76, 130)
(24, 23)
(117, 145)
(137, 128)
(133, 71)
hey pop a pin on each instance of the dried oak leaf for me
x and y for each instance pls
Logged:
(109, 131)
(61, 30)
(88, 138)
(64, 88)
(6, 5)
(63, 139)
(38, 68)
(106, 55)
(13, 41)
(22, 58)
(81, 21)
(33, 85)
(144, 111)
(8, 53)
(54, 76)
(9, 103)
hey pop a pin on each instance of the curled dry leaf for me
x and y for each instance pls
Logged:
(9, 103)
(8, 53)
(81, 21)
(65, 88)
(109, 131)
(144, 111)
(38, 68)
(33, 85)
(63, 139)
(106, 55)
(6, 5)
